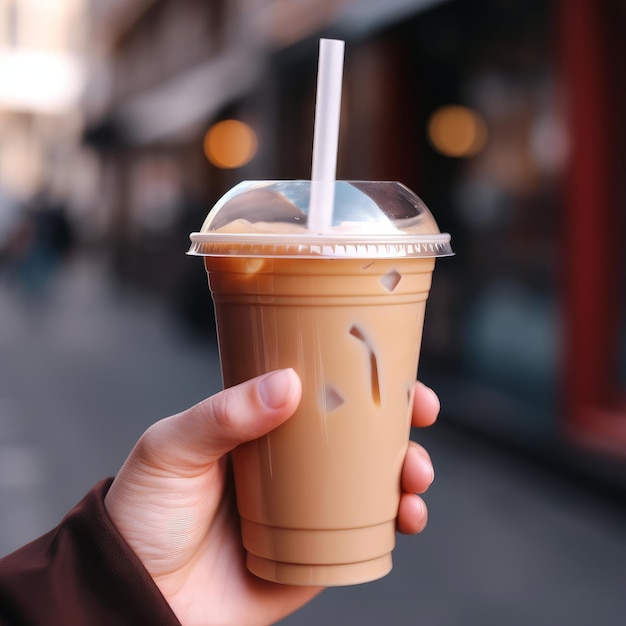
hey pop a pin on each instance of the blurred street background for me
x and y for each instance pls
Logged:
(121, 123)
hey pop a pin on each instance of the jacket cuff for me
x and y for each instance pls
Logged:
(81, 572)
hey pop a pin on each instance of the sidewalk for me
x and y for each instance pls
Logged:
(82, 374)
(508, 543)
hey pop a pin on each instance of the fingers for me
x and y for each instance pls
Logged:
(417, 472)
(417, 475)
(425, 405)
(412, 514)
(210, 429)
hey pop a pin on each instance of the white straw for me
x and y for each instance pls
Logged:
(326, 133)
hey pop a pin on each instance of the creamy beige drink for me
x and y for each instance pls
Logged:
(318, 497)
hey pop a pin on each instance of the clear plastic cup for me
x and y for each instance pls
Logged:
(318, 497)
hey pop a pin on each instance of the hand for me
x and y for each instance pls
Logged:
(173, 502)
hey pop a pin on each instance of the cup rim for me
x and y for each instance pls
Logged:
(281, 245)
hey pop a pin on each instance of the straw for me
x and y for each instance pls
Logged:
(326, 133)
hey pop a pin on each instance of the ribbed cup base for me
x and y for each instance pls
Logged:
(319, 557)
(320, 575)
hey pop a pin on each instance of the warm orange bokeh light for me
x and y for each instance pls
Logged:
(457, 131)
(230, 144)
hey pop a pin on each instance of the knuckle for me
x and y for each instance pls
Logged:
(224, 409)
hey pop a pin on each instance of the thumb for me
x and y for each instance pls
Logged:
(207, 431)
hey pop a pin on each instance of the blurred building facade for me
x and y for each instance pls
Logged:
(41, 44)
(46, 175)
(503, 116)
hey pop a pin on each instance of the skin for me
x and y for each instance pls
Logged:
(173, 502)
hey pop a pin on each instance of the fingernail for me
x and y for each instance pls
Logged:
(423, 511)
(432, 393)
(428, 469)
(275, 388)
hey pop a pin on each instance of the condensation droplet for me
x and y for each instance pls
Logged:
(332, 398)
(375, 383)
(390, 280)
(375, 379)
(355, 332)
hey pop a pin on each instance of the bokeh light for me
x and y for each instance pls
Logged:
(230, 143)
(457, 131)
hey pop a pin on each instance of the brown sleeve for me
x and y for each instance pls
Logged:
(80, 573)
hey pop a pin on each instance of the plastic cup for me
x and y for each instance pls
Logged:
(318, 497)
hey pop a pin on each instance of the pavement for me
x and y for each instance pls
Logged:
(85, 369)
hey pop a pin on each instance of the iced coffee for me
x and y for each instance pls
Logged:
(318, 497)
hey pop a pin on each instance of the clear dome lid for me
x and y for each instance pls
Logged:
(370, 219)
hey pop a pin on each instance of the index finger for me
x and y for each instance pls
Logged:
(425, 405)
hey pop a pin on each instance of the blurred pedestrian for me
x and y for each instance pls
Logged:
(41, 239)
